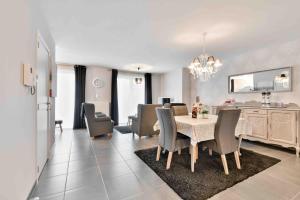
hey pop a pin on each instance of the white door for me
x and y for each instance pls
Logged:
(42, 105)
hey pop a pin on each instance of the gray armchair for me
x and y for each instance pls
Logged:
(97, 123)
(142, 125)
(169, 139)
(225, 141)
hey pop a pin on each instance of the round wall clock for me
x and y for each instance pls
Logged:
(98, 83)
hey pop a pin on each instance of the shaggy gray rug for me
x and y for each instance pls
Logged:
(208, 178)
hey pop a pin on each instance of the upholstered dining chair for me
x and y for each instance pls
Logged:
(169, 139)
(225, 141)
(178, 109)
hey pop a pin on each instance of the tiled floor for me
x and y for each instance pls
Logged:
(107, 168)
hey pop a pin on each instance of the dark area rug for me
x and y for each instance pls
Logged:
(123, 129)
(208, 178)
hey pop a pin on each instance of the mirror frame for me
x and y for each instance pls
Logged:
(288, 90)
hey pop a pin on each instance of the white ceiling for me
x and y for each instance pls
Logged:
(165, 34)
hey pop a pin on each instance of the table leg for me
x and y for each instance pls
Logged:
(197, 153)
(193, 152)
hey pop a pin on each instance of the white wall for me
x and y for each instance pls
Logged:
(172, 85)
(19, 21)
(215, 91)
(104, 93)
(156, 87)
(186, 88)
(177, 85)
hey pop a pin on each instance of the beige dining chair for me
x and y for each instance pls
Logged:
(225, 141)
(169, 139)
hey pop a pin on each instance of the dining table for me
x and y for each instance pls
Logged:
(202, 129)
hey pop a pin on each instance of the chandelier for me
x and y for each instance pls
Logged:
(204, 66)
(138, 80)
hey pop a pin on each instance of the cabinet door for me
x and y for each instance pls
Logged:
(282, 126)
(259, 125)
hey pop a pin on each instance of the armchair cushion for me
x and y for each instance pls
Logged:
(99, 114)
(102, 119)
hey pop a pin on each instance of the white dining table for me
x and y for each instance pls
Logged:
(200, 129)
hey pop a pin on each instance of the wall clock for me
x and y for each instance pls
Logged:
(98, 83)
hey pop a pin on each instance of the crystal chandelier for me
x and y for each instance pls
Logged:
(204, 66)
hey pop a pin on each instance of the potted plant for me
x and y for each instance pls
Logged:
(204, 114)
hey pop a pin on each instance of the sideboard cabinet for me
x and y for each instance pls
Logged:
(274, 126)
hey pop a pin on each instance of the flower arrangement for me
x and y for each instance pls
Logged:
(204, 114)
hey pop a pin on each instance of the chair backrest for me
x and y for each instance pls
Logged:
(180, 110)
(147, 118)
(219, 108)
(88, 110)
(168, 130)
(177, 108)
(225, 130)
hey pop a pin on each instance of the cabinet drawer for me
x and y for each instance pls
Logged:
(256, 111)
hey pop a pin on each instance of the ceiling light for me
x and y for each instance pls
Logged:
(204, 66)
(138, 80)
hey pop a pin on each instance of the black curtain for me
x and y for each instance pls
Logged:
(114, 110)
(80, 72)
(148, 88)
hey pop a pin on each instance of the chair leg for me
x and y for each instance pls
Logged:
(169, 160)
(224, 161)
(237, 159)
(61, 130)
(179, 151)
(158, 152)
(210, 152)
(197, 153)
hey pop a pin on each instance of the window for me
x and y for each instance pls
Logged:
(130, 94)
(65, 101)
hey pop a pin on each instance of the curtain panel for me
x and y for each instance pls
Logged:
(148, 88)
(80, 75)
(114, 110)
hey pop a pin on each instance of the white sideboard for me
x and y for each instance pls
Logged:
(278, 126)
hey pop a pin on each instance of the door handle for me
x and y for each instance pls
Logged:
(44, 106)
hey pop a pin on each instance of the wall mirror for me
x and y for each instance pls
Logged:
(274, 80)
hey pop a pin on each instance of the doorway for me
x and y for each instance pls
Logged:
(43, 105)
(65, 100)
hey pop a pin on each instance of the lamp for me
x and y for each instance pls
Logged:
(204, 66)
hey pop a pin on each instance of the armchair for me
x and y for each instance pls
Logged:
(97, 123)
(142, 125)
